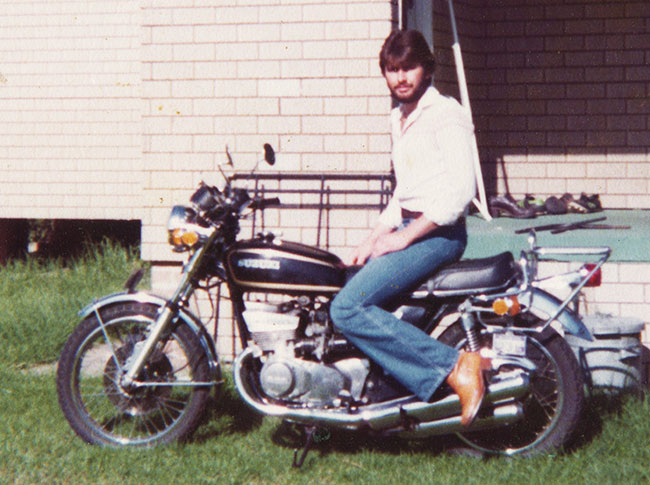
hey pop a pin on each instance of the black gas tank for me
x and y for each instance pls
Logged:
(285, 267)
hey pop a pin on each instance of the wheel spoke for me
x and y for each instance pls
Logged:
(165, 414)
(149, 425)
(546, 400)
(168, 402)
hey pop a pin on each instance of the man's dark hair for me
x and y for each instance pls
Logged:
(405, 49)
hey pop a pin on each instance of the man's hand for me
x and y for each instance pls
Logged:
(365, 249)
(361, 255)
(384, 240)
(389, 243)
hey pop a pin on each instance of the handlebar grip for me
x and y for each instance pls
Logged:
(263, 203)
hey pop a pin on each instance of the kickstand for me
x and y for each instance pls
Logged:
(314, 435)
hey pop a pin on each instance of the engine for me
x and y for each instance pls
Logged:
(303, 362)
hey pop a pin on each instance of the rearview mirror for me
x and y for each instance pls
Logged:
(269, 154)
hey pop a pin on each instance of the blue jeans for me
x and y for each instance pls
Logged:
(416, 360)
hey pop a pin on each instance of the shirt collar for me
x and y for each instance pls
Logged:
(428, 98)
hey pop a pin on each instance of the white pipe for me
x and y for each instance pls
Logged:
(481, 203)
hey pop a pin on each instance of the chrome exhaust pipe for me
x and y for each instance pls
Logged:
(512, 388)
(499, 416)
(378, 417)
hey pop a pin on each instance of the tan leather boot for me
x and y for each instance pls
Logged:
(466, 379)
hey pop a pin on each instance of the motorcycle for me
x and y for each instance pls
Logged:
(139, 369)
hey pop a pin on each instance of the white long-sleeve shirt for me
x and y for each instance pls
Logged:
(433, 162)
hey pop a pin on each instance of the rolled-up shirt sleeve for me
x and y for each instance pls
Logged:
(391, 216)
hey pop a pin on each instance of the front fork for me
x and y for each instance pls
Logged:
(166, 317)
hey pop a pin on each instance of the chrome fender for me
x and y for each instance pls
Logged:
(549, 305)
(181, 313)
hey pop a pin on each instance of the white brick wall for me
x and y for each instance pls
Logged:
(301, 75)
(70, 109)
(560, 90)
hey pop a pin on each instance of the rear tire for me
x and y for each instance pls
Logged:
(101, 411)
(552, 409)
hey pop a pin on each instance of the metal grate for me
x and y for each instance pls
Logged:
(331, 187)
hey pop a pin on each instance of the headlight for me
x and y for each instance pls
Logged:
(184, 234)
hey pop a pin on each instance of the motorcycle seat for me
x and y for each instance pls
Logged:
(473, 275)
(465, 276)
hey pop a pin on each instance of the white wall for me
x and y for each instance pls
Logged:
(299, 74)
(70, 108)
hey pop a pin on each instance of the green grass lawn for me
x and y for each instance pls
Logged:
(41, 299)
(234, 445)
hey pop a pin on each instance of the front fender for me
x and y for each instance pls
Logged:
(549, 304)
(185, 316)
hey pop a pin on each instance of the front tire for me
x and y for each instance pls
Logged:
(552, 409)
(101, 411)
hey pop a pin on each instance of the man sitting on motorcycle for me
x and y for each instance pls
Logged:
(421, 229)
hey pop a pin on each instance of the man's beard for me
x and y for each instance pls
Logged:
(415, 96)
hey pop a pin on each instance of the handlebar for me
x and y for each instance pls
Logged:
(264, 203)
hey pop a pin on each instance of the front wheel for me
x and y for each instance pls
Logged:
(165, 406)
(553, 407)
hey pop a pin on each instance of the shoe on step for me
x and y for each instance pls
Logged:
(573, 205)
(507, 206)
(536, 204)
(555, 205)
(590, 202)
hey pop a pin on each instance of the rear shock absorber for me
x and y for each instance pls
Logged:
(469, 325)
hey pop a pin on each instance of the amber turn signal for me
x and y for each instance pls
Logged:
(508, 306)
(176, 237)
(181, 237)
(190, 238)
